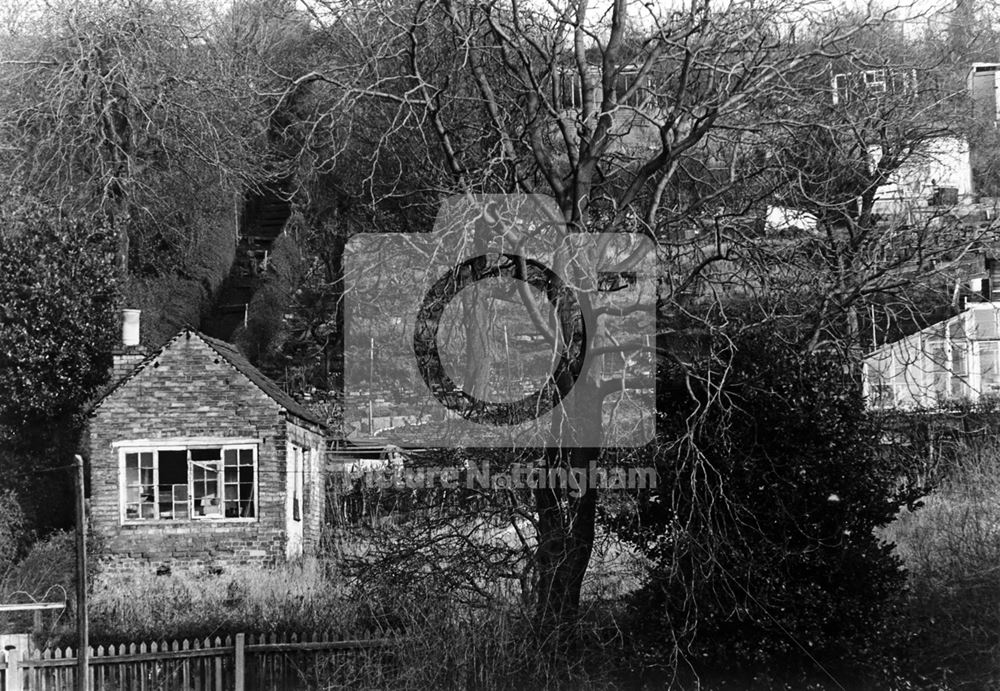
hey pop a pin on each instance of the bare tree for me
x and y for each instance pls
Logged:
(127, 108)
(604, 109)
(682, 125)
(877, 158)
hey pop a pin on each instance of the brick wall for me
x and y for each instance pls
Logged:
(125, 359)
(188, 391)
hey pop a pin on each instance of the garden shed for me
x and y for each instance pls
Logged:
(196, 459)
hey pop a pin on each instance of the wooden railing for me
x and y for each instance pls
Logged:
(268, 662)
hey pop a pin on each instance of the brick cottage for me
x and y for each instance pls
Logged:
(197, 459)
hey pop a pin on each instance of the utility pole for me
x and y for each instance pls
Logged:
(371, 388)
(506, 351)
(82, 625)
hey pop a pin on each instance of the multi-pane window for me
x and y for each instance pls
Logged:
(879, 371)
(989, 367)
(875, 80)
(204, 472)
(959, 369)
(849, 86)
(939, 372)
(569, 88)
(238, 467)
(140, 485)
(189, 483)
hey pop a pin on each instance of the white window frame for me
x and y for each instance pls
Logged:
(875, 80)
(841, 82)
(155, 446)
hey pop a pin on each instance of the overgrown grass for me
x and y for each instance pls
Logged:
(301, 597)
(951, 547)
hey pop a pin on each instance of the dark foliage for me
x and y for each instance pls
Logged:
(58, 291)
(765, 564)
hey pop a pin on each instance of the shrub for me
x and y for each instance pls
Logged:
(448, 641)
(58, 287)
(46, 573)
(771, 483)
(14, 532)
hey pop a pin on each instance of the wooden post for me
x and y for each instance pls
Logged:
(82, 628)
(12, 676)
(240, 667)
(218, 673)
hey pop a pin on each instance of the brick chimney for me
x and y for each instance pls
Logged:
(130, 353)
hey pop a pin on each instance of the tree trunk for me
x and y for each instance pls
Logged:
(567, 515)
(565, 544)
(478, 360)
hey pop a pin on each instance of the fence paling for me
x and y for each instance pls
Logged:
(201, 663)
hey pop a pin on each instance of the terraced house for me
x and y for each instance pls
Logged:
(198, 460)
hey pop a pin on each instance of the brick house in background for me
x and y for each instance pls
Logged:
(197, 459)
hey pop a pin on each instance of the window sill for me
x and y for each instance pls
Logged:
(127, 523)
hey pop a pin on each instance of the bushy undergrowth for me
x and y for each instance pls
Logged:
(456, 591)
(948, 633)
(46, 573)
(445, 644)
(951, 548)
(14, 530)
(766, 567)
(437, 641)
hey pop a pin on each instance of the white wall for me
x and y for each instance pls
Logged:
(942, 162)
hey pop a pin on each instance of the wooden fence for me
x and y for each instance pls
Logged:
(296, 662)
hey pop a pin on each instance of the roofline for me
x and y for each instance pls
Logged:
(942, 324)
(92, 408)
(322, 425)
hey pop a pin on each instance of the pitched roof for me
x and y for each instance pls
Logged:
(237, 361)
(230, 354)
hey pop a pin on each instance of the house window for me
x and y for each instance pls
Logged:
(841, 92)
(196, 483)
(959, 370)
(875, 80)
(626, 79)
(851, 85)
(989, 367)
(939, 375)
(879, 371)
